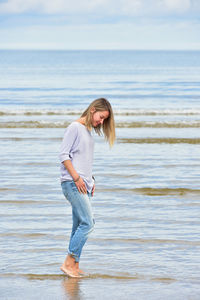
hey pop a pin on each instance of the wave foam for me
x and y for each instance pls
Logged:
(125, 112)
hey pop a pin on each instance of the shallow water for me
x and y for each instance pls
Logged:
(146, 239)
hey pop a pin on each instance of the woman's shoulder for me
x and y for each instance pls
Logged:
(72, 127)
(73, 124)
(75, 127)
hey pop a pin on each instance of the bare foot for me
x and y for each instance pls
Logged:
(81, 272)
(70, 272)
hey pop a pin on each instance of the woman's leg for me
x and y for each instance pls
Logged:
(83, 213)
(70, 266)
(69, 261)
(74, 225)
(82, 225)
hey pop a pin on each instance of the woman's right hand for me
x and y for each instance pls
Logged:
(80, 184)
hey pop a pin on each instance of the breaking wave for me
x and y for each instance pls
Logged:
(125, 112)
(64, 124)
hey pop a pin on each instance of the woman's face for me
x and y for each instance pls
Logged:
(98, 117)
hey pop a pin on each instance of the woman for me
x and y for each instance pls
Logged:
(76, 174)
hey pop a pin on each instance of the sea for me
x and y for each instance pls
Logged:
(146, 241)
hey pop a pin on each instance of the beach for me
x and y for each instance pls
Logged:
(145, 244)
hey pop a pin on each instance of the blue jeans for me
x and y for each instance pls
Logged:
(82, 217)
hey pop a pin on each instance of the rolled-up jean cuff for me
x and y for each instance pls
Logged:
(74, 256)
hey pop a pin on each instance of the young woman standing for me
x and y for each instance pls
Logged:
(77, 182)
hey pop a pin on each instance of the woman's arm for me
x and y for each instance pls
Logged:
(79, 182)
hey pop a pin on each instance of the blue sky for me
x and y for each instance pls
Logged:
(100, 24)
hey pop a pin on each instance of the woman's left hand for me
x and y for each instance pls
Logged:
(93, 189)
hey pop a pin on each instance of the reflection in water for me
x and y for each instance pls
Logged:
(72, 288)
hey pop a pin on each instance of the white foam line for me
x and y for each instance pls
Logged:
(42, 111)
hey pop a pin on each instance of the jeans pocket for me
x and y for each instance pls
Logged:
(69, 188)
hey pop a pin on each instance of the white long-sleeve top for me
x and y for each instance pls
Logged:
(78, 146)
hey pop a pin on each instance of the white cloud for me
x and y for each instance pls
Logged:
(51, 7)
(104, 7)
(178, 6)
(116, 24)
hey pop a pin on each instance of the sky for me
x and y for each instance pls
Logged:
(100, 24)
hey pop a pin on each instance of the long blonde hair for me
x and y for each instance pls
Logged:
(108, 126)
